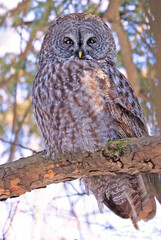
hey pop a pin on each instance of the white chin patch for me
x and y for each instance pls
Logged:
(88, 57)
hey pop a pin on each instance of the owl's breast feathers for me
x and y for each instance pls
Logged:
(82, 105)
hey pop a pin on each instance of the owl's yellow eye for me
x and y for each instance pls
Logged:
(91, 41)
(68, 41)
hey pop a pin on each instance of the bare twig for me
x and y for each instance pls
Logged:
(6, 81)
(14, 124)
(17, 144)
(11, 217)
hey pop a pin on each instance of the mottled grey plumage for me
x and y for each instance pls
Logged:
(81, 101)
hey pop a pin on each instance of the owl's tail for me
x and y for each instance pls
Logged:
(127, 196)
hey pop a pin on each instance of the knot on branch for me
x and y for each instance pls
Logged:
(113, 155)
(150, 163)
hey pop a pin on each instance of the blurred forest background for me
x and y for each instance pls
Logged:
(63, 211)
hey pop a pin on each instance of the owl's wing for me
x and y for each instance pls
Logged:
(156, 183)
(122, 104)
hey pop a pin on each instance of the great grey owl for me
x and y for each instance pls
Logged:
(81, 101)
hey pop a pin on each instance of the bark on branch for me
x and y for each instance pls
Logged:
(123, 156)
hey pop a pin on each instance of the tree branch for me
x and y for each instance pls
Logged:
(122, 156)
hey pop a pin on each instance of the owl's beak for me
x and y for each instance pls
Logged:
(80, 54)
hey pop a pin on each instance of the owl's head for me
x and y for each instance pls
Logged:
(79, 36)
